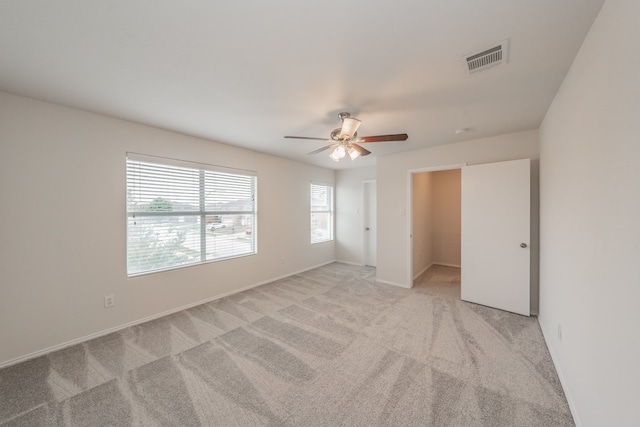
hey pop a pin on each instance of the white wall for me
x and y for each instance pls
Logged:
(447, 217)
(422, 207)
(392, 179)
(349, 204)
(62, 189)
(590, 222)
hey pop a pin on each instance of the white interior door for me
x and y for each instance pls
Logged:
(495, 235)
(370, 252)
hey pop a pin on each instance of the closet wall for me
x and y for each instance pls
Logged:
(446, 217)
(422, 231)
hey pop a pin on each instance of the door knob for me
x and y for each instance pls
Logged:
(523, 245)
(367, 228)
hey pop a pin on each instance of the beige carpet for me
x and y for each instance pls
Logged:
(323, 348)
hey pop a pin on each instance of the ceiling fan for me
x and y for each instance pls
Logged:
(345, 141)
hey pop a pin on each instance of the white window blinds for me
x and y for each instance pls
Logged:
(321, 213)
(181, 213)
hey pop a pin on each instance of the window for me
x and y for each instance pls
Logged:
(181, 213)
(321, 213)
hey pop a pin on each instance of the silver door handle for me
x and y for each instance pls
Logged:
(367, 228)
(523, 245)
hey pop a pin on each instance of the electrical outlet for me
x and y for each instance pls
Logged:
(559, 332)
(109, 301)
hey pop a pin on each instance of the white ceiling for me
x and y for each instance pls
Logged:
(247, 73)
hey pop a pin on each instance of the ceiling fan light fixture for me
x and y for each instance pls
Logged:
(334, 157)
(340, 152)
(353, 153)
(349, 127)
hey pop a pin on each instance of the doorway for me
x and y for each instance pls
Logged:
(494, 243)
(436, 213)
(420, 221)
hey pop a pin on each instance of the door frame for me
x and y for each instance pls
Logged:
(363, 214)
(409, 211)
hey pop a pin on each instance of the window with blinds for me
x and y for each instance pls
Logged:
(321, 213)
(181, 213)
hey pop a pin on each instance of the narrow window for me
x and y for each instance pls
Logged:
(321, 213)
(181, 213)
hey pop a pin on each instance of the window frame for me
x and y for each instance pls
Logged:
(330, 211)
(201, 214)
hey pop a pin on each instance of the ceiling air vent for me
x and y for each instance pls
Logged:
(486, 58)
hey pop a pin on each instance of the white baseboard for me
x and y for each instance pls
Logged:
(148, 318)
(563, 382)
(445, 264)
(350, 262)
(386, 282)
(415, 276)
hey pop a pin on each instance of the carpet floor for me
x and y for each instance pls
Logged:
(326, 347)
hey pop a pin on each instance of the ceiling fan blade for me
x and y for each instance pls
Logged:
(361, 150)
(382, 138)
(320, 150)
(308, 137)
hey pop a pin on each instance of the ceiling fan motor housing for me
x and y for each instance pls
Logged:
(336, 135)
